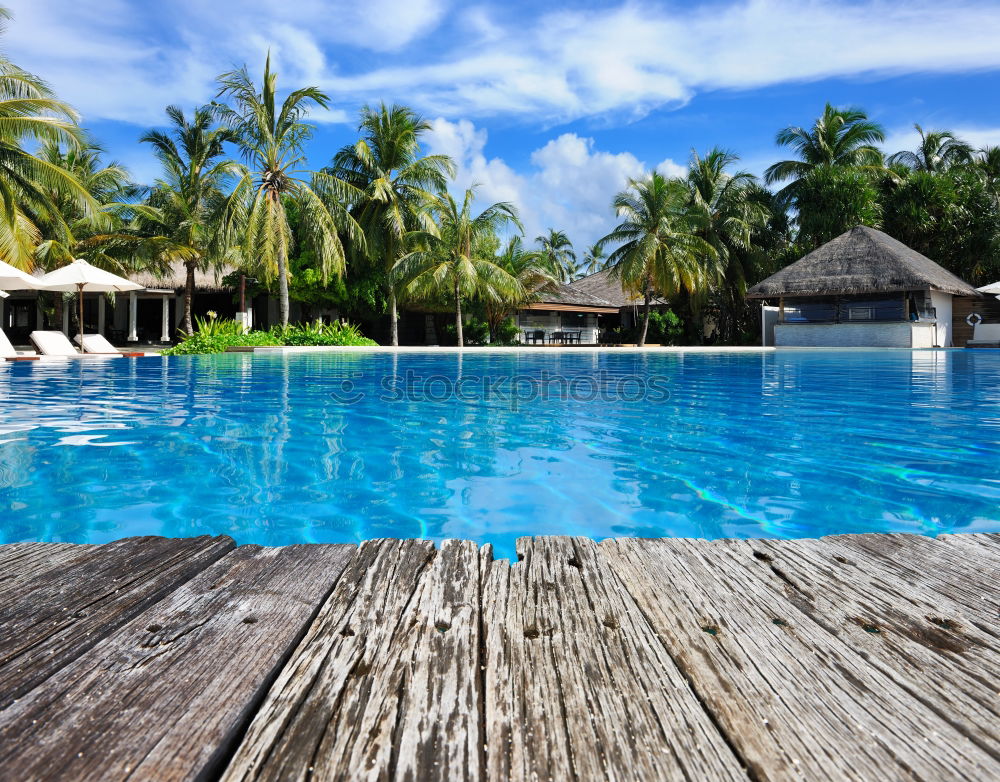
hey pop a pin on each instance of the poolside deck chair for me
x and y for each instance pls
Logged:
(97, 344)
(56, 344)
(7, 352)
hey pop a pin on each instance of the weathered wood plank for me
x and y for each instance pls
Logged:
(20, 562)
(55, 617)
(386, 683)
(962, 574)
(796, 700)
(166, 696)
(928, 648)
(578, 686)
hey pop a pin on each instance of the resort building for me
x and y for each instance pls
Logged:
(864, 289)
(585, 309)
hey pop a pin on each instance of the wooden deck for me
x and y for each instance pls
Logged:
(872, 657)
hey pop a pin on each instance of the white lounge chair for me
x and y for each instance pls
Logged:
(55, 344)
(985, 335)
(7, 352)
(97, 344)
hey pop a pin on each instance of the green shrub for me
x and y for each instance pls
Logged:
(216, 336)
(507, 333)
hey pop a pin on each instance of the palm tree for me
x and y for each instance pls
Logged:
(77, 232)
(396, 183)
(271, 139)
(559, 250)
(594, 259)
(938, 151)
(189, 195)
(450, 259)
(659, 249)
(531, 270)
(30, 112)
(840, 137)
(732, 215)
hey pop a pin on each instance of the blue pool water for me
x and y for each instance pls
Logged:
(278, 449)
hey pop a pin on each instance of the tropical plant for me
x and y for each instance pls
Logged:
(451, 260)
(732, 215)
(271, 139)
(842, 137)
(558, 249)
(594, 259)
(533, 273)
(832, 200)
(75, 232)
(217, 336)
(938, 151)
(395, 182)
(190, 193)
(658, 248)
(30, 113)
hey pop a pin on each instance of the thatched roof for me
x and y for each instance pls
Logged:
(603, 286)
(567, 294)
(176, 278)
(860, 261)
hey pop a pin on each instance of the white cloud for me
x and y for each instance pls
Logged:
(124, 60)
(569, 185)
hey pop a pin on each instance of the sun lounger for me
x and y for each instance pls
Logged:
(55, 344)
(7, 352)
(97, 344)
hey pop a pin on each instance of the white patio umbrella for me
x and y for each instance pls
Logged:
(13, 279)
(993, 288)
(80, 277)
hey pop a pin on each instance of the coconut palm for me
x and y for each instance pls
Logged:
(533, 273)
(658, 248)
(559, 251)
(396, 184)
(594, 259)
(450, 260)
(938, 151)
(271, 139)
(78, 232)
(30, 113)
(190, 193)
(732, 215)
(839, 137)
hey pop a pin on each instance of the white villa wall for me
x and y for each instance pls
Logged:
(941, 302)
(854, 335)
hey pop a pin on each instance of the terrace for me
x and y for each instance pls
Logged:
(175, 659)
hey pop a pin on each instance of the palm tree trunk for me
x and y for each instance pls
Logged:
(188, 324)
(282, 287)
(458, 316)
(393, 319)
(645, 319)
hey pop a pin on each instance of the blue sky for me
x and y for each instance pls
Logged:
(550, 105)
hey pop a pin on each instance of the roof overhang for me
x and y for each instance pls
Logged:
(541, 305)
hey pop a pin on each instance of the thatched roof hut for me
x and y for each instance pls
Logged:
(176, 278)
(860, 261)
(604, 286)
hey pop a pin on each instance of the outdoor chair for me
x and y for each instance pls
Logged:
(55, 343)
(7, 352)
(96, 343)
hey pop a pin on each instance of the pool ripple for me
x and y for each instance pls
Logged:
(269, 450)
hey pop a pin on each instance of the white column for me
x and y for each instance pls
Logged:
(101, 313)
(133, 303)
(165, 329)
(66, 317)
(3, 321)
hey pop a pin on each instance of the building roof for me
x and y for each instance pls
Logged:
(176, 277)
(859, 261)
(603, 286)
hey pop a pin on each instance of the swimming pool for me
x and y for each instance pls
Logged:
(341, 447)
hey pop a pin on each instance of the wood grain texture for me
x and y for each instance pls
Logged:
(166, 696)
(796, 698)
(21, 562)
(961, 573)
(385, 684)
(51, 619)
(929, 647)
(578, 686)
